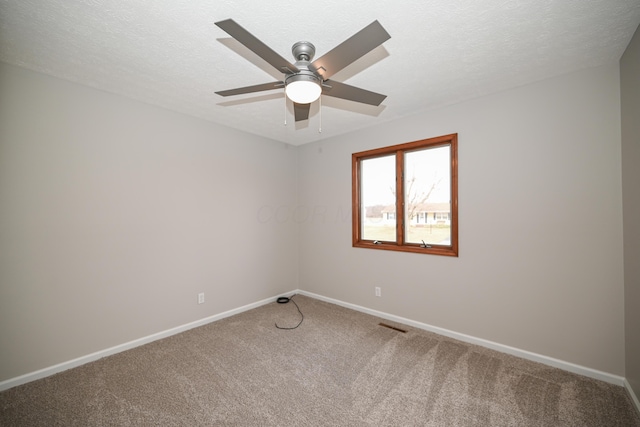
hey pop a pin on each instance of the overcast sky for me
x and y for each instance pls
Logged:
(428, 166)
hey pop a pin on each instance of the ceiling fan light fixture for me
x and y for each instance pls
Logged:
(303, 88)
(305, 81)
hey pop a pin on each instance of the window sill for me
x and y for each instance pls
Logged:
(391, 246)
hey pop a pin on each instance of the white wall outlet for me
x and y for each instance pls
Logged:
(201, 298)
(378, 291)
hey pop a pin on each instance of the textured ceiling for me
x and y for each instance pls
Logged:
(170, 53)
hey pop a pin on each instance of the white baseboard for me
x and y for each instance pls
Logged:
(42, 373)
(549, 361)
(632, 395)
(567, 366)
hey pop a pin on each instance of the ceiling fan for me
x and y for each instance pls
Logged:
(304, 81)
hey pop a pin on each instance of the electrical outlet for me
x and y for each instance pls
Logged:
(201, 298)
(378, 291)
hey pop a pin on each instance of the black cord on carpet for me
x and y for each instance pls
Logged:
(284, 300)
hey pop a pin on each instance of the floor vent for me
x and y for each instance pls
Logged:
(392, 327)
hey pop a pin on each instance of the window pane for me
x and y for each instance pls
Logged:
(378, 198)
(427, 185)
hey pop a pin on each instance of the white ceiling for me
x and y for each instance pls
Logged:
(170, 53)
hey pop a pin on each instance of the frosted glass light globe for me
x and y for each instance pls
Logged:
(303, 91)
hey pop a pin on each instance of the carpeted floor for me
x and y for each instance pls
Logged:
(339, 368)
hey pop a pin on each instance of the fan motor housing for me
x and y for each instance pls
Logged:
(303, 75)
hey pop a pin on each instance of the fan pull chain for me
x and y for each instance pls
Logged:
(285, 108)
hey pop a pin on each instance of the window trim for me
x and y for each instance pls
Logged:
(399, 150)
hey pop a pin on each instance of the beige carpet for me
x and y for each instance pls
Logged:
(339, 368)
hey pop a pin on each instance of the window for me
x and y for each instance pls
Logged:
(405, 197)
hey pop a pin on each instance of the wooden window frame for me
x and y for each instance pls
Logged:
(399, 151)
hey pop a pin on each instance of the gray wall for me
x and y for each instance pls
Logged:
(540, 265)
(630, 98)
(114, 215)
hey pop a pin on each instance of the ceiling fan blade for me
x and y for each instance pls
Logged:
(364, 41)
(301, 111)
(250, 89)
(351, 93)
(256, 46)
